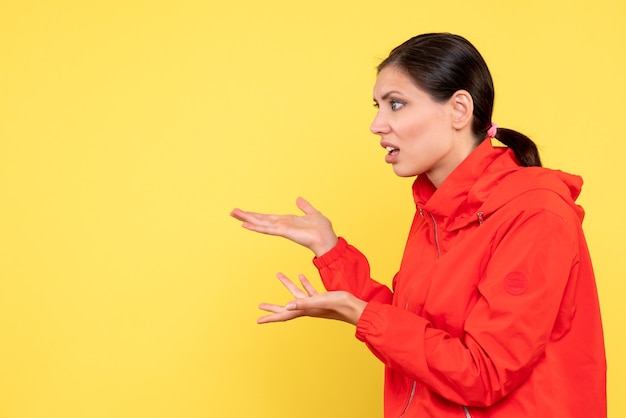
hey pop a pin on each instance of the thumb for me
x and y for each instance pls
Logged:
(305, 206)
(291, 306)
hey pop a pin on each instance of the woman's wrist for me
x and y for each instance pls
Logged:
(356, 308)
(324, 246)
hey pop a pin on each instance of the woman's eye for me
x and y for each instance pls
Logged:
(395, 105)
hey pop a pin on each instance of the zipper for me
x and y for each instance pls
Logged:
(407, 306)
(480, 217)
(410, 398)
(436, 235)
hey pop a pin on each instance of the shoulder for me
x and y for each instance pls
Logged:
(538, 189)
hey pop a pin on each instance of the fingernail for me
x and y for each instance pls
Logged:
(290, 306)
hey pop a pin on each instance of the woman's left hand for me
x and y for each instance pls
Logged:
(338, 305)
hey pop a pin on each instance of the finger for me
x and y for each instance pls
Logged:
(264, 224)
(324, 301)
(246, 216)
(253, 217)
(270, 307)
(291, 286)
(279, 317)
(237, 214)
(257, 227)
(307, 285)
(311, 308)
(308, 304)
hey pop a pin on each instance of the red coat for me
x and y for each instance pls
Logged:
(494, 310)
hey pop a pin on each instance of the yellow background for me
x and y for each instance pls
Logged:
(129, 130)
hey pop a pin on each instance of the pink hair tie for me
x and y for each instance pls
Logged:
(493, 130)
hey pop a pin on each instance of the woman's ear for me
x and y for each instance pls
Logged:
(462, 109)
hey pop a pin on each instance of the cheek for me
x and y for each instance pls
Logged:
(426, 147)
(411, 131)
(420, 124)
(423, 135)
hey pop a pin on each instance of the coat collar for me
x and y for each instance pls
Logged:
(461, 183)
(474, 186)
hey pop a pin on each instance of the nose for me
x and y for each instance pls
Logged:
(379, 126)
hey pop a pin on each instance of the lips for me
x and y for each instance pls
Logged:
(389, 147)
(392, 152)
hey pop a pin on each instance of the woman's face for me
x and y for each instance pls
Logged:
(416, 131)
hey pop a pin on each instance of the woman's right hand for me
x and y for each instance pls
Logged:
(312, 230)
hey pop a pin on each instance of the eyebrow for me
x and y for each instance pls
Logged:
(389, 93)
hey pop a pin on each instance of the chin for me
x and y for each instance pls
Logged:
(404, 173)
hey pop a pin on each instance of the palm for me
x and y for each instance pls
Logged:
(312, 230)
(338, 305)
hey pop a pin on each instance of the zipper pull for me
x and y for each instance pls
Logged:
(421, 212)
(480, 217)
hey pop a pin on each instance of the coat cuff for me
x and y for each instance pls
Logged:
(333, 254)
(367, 320)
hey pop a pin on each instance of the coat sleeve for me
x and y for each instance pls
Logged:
(505, 332)
(346, 268)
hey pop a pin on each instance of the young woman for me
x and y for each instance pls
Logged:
(494, 309)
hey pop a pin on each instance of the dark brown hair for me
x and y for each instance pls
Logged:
(442, 64)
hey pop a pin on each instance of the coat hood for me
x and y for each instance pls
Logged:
(486, 180)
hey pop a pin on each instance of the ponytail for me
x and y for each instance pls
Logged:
(524, 148)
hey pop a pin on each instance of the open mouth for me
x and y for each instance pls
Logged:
(392, 150)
